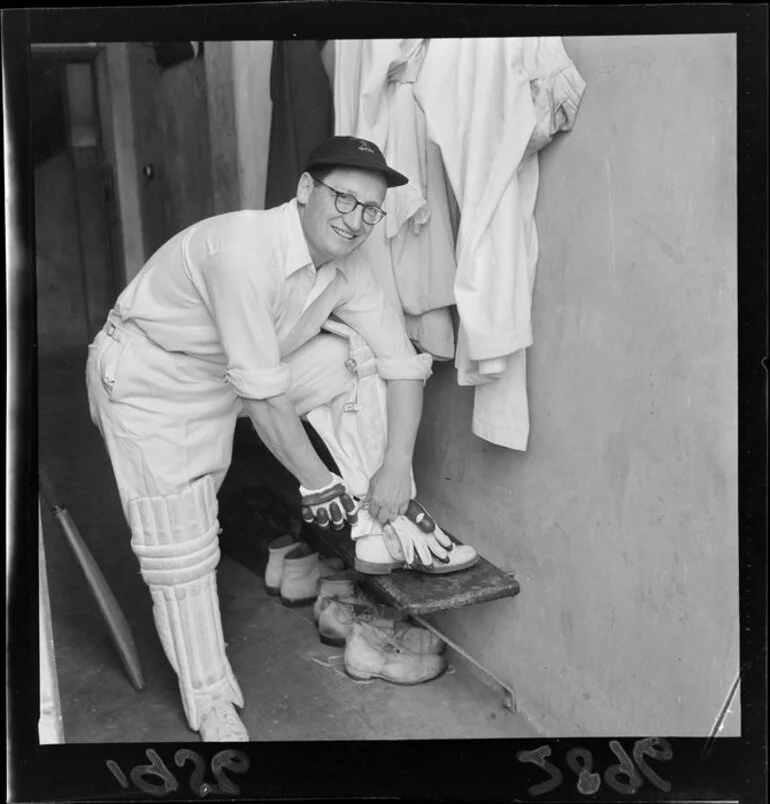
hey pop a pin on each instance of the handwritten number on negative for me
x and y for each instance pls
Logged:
(118, 773)
(664, 754)
(625, 768)
(142, 775)
(622, 777)
(235, 761)
(168, 783)
(581, 762)
(537, 757)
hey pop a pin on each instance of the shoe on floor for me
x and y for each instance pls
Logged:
(300, 577)
(343, 586)
(371, 652)
(337, 618)
(277, 550)
(221, 724)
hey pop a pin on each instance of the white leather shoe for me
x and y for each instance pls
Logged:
(372, 653)
(378, 553)
(277, 550)
(221, 724)
(301, 576)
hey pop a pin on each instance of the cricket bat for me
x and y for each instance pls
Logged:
(105, 599)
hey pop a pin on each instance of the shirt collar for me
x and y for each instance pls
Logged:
(297, 254)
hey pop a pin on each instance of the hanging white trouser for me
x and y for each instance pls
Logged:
(175, 540)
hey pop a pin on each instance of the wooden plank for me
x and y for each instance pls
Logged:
(417, 593)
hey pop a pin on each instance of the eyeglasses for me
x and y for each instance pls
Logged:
(345, 202)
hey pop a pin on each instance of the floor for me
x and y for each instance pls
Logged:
(295, 687)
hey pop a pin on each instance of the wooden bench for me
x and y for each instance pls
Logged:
(416, 593)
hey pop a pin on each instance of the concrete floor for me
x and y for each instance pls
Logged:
(295, 687)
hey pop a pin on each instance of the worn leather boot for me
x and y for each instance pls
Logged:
(300, 577)
(372, 652)
(343, 586)
(221, 724)
(338, 617)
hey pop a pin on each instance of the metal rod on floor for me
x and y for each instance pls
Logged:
(509, 694)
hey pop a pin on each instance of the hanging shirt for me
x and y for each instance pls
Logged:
(302, 116)
(490, 104)
(241, 290)
(413, 257)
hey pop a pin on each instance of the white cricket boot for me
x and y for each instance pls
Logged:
(277, 550)
(406, 546)
(301, 576)
(221, 724)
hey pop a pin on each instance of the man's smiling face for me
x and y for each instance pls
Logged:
(331, 234)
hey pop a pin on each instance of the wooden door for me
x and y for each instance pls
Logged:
(173, 157)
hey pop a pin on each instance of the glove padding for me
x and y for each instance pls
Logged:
(405, 536)
(328, 506)
(420, 517)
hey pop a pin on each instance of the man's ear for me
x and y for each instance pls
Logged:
(304, 188)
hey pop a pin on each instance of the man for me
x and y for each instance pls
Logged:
(225, 317)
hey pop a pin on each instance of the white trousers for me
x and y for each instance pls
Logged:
(168, 419)
(168, 422)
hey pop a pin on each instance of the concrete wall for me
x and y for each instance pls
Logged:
(621, 518)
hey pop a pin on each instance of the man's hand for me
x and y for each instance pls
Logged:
(329, 505)
(390, 490)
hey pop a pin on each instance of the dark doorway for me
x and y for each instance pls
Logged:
(76, 282)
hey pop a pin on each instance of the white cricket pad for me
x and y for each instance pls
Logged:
(176, 541)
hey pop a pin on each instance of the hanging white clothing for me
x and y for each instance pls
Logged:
(414, 253)
(490, 104)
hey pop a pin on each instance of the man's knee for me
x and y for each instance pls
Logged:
(175, 537)
(320, 371)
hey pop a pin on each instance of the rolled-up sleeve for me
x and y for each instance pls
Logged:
(366, 308)
(240, 291)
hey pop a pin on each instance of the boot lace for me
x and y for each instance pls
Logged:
(225, 716)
